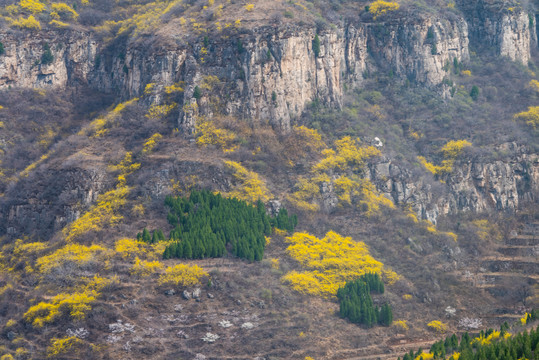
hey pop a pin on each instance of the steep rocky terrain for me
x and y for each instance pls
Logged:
(98, 126)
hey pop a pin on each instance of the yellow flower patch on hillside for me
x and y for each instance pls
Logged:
(182, 275)
(330, 262)
(250, 187)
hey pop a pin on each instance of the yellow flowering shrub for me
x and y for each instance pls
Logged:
(329, 263)
(446, 168)
(487, 230)
(145, 268)
(380, 7)
(424, 356)
(309, 139)
(98, 283)
(76, 305)
(372, 200)
(174, 88)
(452, 149)
(7, 357)
(148, 89)
(348, 153)
(130, 247)
(63, 11)
(62, 346)
(97, 127)
(438, 326)
(207, 133)
(182, 275)
(250, 187)
(156, 112)
(531, 117)
(33, 6)
(306, 191)
(150, 144)
(22, 248)
(35, 164)
(401, 324)
(249, 7)
(534, 85)
(104, 213)
(524, 319)
(5, 288)
(75, 253)
(486, 340)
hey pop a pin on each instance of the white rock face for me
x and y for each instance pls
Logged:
(276, 74)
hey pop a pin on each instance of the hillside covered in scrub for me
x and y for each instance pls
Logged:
(225, 179)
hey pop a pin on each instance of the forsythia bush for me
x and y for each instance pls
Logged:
(35, 164)
(534, 85)
(424, 356)
(75, 253)
(486, 340)
(454, 148)
(310, 139)
(28, 248)
(75, 305)
(63, 11)
(446, 168)
(151, 143)
(450, 151)
(145, 268)
(250, 188)
(372, 199)
(306, 191)
(183, 275)
(348, 153)
(438, 326)
(380, 7)
(101, 214)
(208, 134)
(98, 126)
(330, 262)
(402, 324)
(130, 247)
(62, 346)
(33, 6)
(174, 88)
(28, 23)
(531, 117)
(158, 111)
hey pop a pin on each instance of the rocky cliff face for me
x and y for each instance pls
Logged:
(29, 209)
(21, 65)
(473, 185)
(270, 75)
(505, 31)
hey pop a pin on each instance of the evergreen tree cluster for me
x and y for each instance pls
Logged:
(356, 302)
(522, 345)
(157, 235)
(206, 225)
(283, 221)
